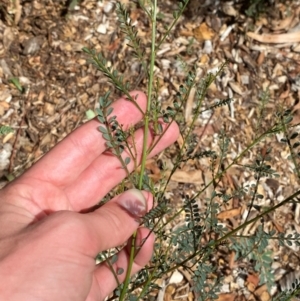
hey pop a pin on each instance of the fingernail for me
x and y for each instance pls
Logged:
(134, 202)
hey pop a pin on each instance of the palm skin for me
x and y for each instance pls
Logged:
(47, 247)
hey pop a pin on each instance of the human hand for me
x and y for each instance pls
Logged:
(48, 248)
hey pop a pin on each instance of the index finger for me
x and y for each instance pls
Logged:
(66, 161)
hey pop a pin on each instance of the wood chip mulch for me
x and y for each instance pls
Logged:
(41, 42)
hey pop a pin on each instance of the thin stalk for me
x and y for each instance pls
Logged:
(173, 23)
(232, 232)
(145, 140)
(254, 192)
(115, 80)
(150, 88)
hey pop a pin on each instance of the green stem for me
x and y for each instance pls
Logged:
(231, 233)
(145, 140)
(150, 88)
(173, 23)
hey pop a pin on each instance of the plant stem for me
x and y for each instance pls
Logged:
(173, 23)
(150, 88)
(145, 140)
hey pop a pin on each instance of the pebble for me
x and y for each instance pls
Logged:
(5, 154)
(176, 277)
(101, 29)
(108, 7)
(207, 47)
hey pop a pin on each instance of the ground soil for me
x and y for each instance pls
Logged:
(41, 45)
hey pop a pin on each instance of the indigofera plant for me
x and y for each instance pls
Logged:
(189, 234)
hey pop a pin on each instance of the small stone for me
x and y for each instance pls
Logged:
(245, 79)
(5, 154)
(176, 277)
(207, 47)
(108, 7)
(101, 29)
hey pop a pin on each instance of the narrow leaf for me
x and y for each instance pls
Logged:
(102, 129)
(109, 110)
(114, 259)
(296, 144)
(86, 50)
(106, 137)
(294, 135)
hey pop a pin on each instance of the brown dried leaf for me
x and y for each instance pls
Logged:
(192, 176)
(203, 32)
(226, 297)
(254, 279)
(229, 213)
(236, 88)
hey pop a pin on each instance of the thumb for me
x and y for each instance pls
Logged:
(113, 224)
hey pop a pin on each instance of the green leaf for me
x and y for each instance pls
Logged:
(127, 161)
(266, 258)
(86, 50)
(288, 119)
(109, 111)
(99, 111)
(106, 137)
(106, 95)
(296, 144)
(73, 3)
(5, 130)
(101, 119)
(108, 144)
(114, 259)
(294, 135)
(102, 129)
(16, 83)
(90, 114)
(101, 101)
